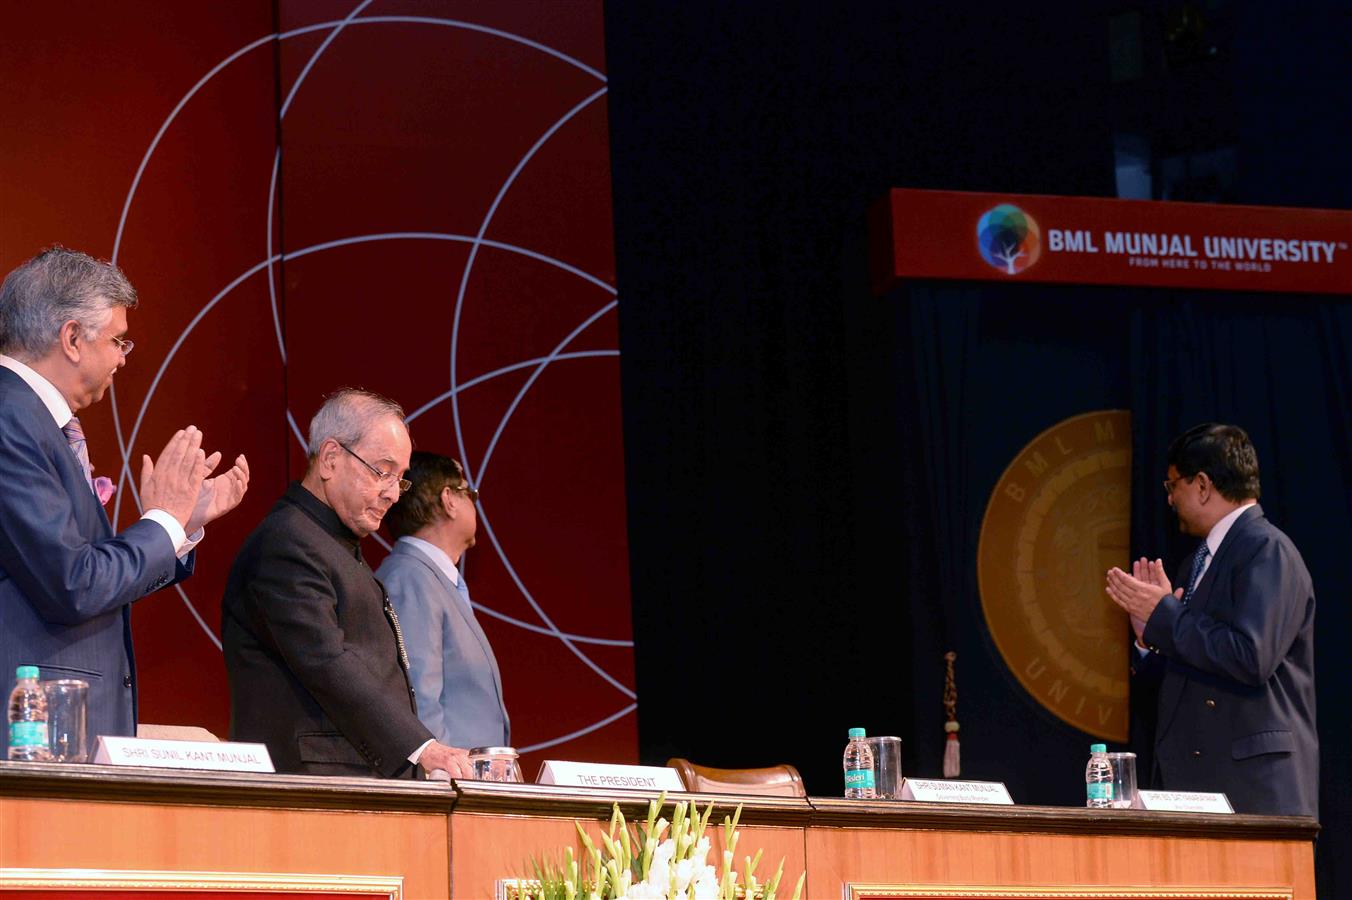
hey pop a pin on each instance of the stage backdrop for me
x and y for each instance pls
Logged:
(411, 197)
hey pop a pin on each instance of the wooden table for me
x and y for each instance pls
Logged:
(364, 837)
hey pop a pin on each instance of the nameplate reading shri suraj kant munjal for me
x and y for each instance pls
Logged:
(1057, 520)
(933, 790)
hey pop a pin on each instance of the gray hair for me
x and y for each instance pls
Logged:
(347, 415)
(52, 288)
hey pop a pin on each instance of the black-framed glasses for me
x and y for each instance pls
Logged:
(385, 478)
(124, 346)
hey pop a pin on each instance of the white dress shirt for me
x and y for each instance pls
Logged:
(1218, 533)
(62, 414)
(1213, 543)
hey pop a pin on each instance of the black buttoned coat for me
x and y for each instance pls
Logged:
(316, 667)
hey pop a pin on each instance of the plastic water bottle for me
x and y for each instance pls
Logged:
(859, 768)
(28, 717)
(1098, 778)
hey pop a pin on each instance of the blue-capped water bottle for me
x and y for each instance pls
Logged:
(1098, 778)
(859, 768)
(28, 717)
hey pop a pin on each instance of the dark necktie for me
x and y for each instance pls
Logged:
(75, 436)
(1198, 563)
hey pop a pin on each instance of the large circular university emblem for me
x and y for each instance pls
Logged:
(1057, 520)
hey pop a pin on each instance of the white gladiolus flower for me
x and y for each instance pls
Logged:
(706, 885)
(664, 852)
(685, 871)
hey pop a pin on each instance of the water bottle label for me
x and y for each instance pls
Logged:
(1099, 791)
(28, 734)
(858, 778)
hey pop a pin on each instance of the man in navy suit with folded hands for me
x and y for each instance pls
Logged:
(67, 581)
(1233, 647)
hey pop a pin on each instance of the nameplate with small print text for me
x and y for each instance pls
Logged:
(1186, 801)
(607, 776)
(214, 755)
(936, 790)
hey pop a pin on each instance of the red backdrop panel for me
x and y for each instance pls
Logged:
(411, 197)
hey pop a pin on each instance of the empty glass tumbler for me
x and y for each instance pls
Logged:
(1124, 794)
(67, 729)
(886, 767)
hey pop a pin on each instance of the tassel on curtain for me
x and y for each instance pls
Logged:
(952, 749)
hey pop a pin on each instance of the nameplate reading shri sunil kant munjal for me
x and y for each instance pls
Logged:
(934, 790)
(212, 755)
(609, 776)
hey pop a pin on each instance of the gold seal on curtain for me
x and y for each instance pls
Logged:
(1057, 520)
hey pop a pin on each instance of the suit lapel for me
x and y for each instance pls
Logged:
(1171, 691)
(477, 629)
(1201, 598)
(461, 606)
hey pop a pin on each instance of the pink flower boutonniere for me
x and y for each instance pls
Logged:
(104, 488)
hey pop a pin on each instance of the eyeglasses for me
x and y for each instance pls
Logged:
(1169, 484)
(386, 478)
(125, 346)
(467, 491)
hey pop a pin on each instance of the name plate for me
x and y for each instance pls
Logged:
(934, 790)
(213, 755)
(609, 776)
(1186, 801)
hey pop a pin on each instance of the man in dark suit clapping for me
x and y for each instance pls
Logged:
(1233, 648)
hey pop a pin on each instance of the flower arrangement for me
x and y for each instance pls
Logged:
(656, 860)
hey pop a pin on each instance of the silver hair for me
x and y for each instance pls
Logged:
(53, 288)
(347, 415)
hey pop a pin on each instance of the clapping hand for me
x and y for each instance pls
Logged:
(174, 480)
(1141, 591)
(221, 494)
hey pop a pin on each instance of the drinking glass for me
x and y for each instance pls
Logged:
(1124, 781)
(66, 719)
(886, 767)
(495, 764)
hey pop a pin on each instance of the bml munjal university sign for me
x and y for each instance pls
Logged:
(1091, 240)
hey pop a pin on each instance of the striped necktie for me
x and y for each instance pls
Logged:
(75, 436)
(1198, 563)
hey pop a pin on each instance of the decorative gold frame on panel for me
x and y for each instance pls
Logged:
(855, 891)
(514, 888)
(390, 887)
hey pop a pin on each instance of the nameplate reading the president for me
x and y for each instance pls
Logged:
(933, 790)
(607, 776)
(212, 755)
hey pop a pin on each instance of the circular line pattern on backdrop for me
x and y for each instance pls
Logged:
(539, 364)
